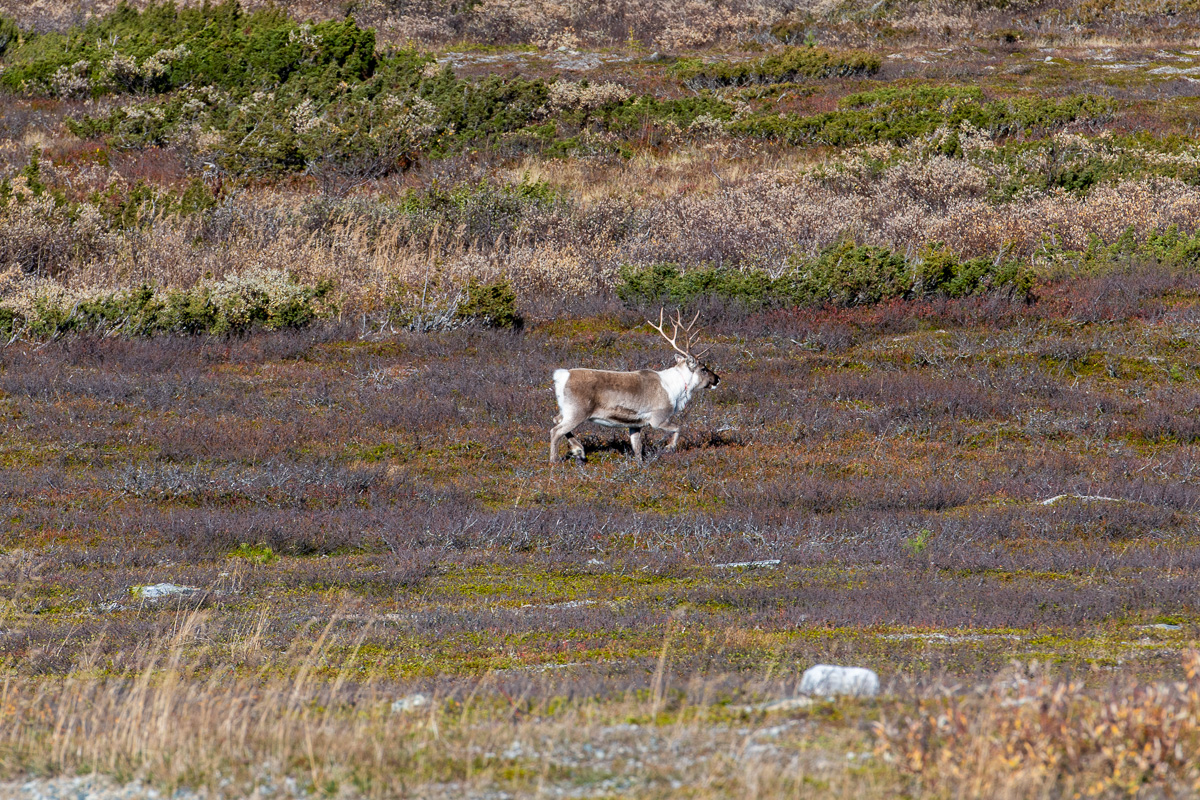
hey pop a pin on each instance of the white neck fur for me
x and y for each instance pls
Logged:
(678, 381)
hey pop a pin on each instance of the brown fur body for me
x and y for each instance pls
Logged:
(625, 400)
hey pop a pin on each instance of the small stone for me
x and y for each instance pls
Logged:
(408, 703)
(830, 680)
(159, 590)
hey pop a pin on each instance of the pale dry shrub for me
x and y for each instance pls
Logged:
(1046, 737)
(899, 199)
(70, 81)
(124, 72)
(935, 181)
(570, 23)
(572, 96)
(25, 294)
(706, 125)
(946, 19)
(566, 39)
(43, 238)
(557, 271)
(1068, 221)
(264, 234)
(418, 29)
(698, 23)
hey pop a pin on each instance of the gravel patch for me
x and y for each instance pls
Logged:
(83, 787)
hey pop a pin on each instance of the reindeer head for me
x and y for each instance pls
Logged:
(702, 377)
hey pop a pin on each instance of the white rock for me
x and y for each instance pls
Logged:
(1087, 498)
(767, 564)
(160, 590)
(412, 702)
(826, 679)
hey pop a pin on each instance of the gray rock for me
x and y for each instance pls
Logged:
(158, 591)
(829, 680)
(409, 703)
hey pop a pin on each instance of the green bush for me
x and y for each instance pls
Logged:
(282, 96)
(166, 46)
(845, 274)
(10, 34)
(260, 554)
(630, 116)
(1171, 249)
(492, 304)
(789, 65)
(261, 299)
(484, 109)
(899, 115)
(9, 322)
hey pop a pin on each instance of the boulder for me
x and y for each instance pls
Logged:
(829, 680)
(158, 591)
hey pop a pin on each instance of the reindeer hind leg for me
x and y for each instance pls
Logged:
(566, 429)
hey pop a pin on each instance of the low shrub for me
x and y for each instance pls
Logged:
(792, 64)
(265, 299)
(10, 34)
(631, 116)
(899, 115)
(485, 213)
(1170, 250)
(491, 304)
(165, 47)
(845, 274)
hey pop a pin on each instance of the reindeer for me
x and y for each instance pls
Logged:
(630, 399)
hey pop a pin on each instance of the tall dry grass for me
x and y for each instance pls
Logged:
(319, 719)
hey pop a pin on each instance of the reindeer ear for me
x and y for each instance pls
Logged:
(679, 359)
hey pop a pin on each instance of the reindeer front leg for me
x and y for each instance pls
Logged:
(671, 445)
(664, 424)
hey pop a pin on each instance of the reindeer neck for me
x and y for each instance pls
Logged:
(679, 383)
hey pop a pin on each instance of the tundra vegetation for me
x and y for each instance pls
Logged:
(281, 291)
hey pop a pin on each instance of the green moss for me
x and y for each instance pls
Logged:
(259, 554)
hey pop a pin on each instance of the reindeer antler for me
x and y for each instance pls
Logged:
(677, 327)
